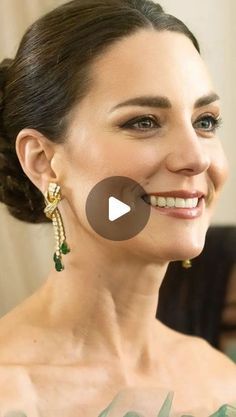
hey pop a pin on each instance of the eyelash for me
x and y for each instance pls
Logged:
(216, 121)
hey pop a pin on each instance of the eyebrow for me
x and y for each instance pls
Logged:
(163, 102)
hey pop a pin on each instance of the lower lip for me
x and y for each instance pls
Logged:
(182, 213)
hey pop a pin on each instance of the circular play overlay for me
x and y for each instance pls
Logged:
(115, 208)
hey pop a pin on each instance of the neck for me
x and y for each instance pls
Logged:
(104, 302)
(107, 305)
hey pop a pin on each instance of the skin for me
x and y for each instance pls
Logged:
(98, 315)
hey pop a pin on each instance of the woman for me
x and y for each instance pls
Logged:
(102, 89)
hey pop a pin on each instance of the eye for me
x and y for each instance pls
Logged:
(209, 123)
(143, 123)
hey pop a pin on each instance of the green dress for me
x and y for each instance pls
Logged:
(225, 410)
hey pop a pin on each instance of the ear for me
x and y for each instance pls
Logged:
(35, 153)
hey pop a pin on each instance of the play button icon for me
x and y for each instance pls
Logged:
(115, 208)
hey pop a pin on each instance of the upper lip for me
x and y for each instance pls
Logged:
(179, 193)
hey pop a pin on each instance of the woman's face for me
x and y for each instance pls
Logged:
(167, 146)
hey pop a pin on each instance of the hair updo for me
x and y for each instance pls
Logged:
(50, 75)
(23, 199)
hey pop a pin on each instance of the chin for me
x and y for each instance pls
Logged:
(178, 248)
(190, 242)
(169, 251)
(189, 253)
(177, 243)
(188, 249)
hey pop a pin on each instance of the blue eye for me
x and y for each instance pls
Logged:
(209, 123)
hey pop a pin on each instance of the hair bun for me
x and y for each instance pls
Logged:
(21, 197)
(4, 65)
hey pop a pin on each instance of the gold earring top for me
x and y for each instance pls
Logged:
(186, 263)
(52, 198)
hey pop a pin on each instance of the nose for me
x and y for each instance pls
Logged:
(189, 153)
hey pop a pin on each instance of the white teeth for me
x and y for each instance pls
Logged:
(180, 203)
(173, 202)
(153, 200)
(191, 202)
(161, 201)
(170, 201)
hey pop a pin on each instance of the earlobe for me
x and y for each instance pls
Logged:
(35, 152)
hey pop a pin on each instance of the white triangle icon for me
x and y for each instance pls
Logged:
(117, 209)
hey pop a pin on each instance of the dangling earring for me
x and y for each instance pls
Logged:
(187, 263)
(52, 199)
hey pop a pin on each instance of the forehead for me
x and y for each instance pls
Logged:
(150, 62)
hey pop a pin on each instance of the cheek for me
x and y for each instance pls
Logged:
(110, 155)
(219, 169)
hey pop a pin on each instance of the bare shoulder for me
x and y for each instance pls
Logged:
(205, 365)
(16, 389)
(217, 361)
(19, 334)
(200, 350)
(16, 392)
(219, 369)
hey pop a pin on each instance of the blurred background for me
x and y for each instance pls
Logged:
(26, 249)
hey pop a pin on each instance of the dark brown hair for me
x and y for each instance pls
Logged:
(50, 75)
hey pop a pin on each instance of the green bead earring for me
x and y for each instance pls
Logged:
(52, 198)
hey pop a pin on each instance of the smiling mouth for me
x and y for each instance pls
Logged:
(172, 202)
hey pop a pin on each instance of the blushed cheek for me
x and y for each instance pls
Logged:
(120, 156)
(219, 170)
(222, 167)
